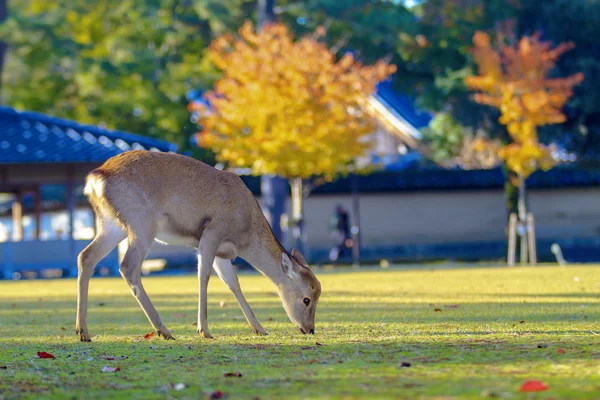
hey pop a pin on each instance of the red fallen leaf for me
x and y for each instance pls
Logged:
(111, 369)
(43, 354)
(533, 386)
(451, 306)
(179, 315)
(561, 351)
(233, 375)
(195, 324)
(437, 310)
(149, 335)
(318, 344)
(217, 395)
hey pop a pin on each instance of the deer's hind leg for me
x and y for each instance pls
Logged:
(141, 236)
(108, 237)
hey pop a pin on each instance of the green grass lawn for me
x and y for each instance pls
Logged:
(437, 333)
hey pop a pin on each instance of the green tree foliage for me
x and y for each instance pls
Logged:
(126, 64)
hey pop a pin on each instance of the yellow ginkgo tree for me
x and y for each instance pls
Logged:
(287, 107)
(515, 78)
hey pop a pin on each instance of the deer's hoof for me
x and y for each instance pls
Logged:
(261, 332)
(205, 334)
(166, 336)
(84, 337)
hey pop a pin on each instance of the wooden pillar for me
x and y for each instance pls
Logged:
(71, 204)
(17, 218)
(37, 210)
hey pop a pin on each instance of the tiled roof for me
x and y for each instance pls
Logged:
(402, 105)
(438, 179)
(28, 137)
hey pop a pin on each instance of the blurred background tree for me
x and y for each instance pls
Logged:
(287, 107)
(125, 65)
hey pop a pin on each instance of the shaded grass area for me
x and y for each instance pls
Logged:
(378, 332)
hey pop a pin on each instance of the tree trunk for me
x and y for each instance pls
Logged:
(274, 193)
(297, 213)
(523, 221)
(3, 47)
(273, 188)
(265, 12)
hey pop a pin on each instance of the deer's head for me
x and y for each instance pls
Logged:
(299, 292)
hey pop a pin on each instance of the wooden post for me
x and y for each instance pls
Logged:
(512, 239)
(531, 237)
(17, 218)
(37, 209)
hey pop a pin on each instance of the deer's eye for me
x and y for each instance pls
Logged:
(306, 301)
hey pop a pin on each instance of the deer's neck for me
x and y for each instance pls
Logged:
(264, 253)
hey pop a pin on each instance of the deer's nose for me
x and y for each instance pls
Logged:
(312, 332)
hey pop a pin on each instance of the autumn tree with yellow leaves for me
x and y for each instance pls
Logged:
(287, 107)
(515, 79)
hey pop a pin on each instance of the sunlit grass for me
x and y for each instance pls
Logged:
(495, 329)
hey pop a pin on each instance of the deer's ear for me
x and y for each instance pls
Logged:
(288, 265)
(298, 256)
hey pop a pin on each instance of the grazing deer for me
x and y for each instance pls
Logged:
(145, 196)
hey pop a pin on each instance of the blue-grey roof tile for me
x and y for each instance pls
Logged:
(28, 137)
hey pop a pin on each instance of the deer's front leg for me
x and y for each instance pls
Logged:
(227, 273)
(206, 257)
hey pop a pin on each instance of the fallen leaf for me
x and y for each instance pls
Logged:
(217, 395)
(43, 354)
(405, 364)
(522, 322)
(195, 324)
(101, 304)
(3, 367)
(437, 310)
(222, 304)
(179, 315)
(260, 346)
(561, 351)
(111, 369)
(451, 306)
(542, 346)
(318, 344)
(533, 386)
(112, 358)
(62, 328)
(178, 386)
(232, 375)
(149, 335)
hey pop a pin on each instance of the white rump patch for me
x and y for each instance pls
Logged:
(94, 186)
